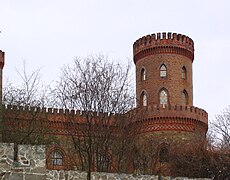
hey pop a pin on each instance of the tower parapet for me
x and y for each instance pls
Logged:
(187, 112)
(163, 43)
(171, 118)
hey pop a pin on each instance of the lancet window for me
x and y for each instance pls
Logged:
(143, 74)
(163, 70)
(163, 98)
(184, 73)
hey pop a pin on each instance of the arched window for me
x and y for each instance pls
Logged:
(163, 97)
(163, 71)
(163, 154)
(143, 74)
(144, 98)
(57, 158)
(184, 98)
(103, 161)
(184, 73)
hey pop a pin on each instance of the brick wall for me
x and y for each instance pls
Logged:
(173, 82)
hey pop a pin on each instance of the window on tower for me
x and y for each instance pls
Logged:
(184, 73)
(144, 98)
(143, 74)
(163, 70)
(163, 98)
(184, 97)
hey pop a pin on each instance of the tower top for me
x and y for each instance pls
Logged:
(2, 59)
(172, 43)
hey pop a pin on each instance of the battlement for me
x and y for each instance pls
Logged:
(171, 118)
(150, 111)
(2, 59)
(172, 43)
(55, 114)
(173, 111)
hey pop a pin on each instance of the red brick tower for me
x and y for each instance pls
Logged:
(164, 87)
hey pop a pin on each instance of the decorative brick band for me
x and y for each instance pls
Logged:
(170, 124)
(156, 111)
(163, 50)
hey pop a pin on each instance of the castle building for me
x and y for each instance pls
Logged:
(164, 114)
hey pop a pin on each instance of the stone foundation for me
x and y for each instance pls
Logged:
(31, 165)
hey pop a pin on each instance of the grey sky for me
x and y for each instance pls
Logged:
(50, 33)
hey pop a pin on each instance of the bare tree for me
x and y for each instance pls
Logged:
(199, 162)
(220, 129)
(30, 91)
(23, 121)
(100, 89)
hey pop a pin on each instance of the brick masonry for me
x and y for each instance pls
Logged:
(175, 51)
(174, 122)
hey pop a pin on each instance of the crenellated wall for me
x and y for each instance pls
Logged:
(163, 43)
(157, 111)
(54, 112)
(139, 120)
(55, 121)
(171, 118)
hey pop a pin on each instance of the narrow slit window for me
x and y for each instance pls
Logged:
(143, 74)
(163, 154)
(144, 99)
(184, 73)
(163, 71)
(184, 97)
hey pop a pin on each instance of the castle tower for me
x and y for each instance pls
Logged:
(164, 69)
(164, 87)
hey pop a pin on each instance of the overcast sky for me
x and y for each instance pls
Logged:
(49, 33)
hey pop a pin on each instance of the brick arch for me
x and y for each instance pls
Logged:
(50, 151)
